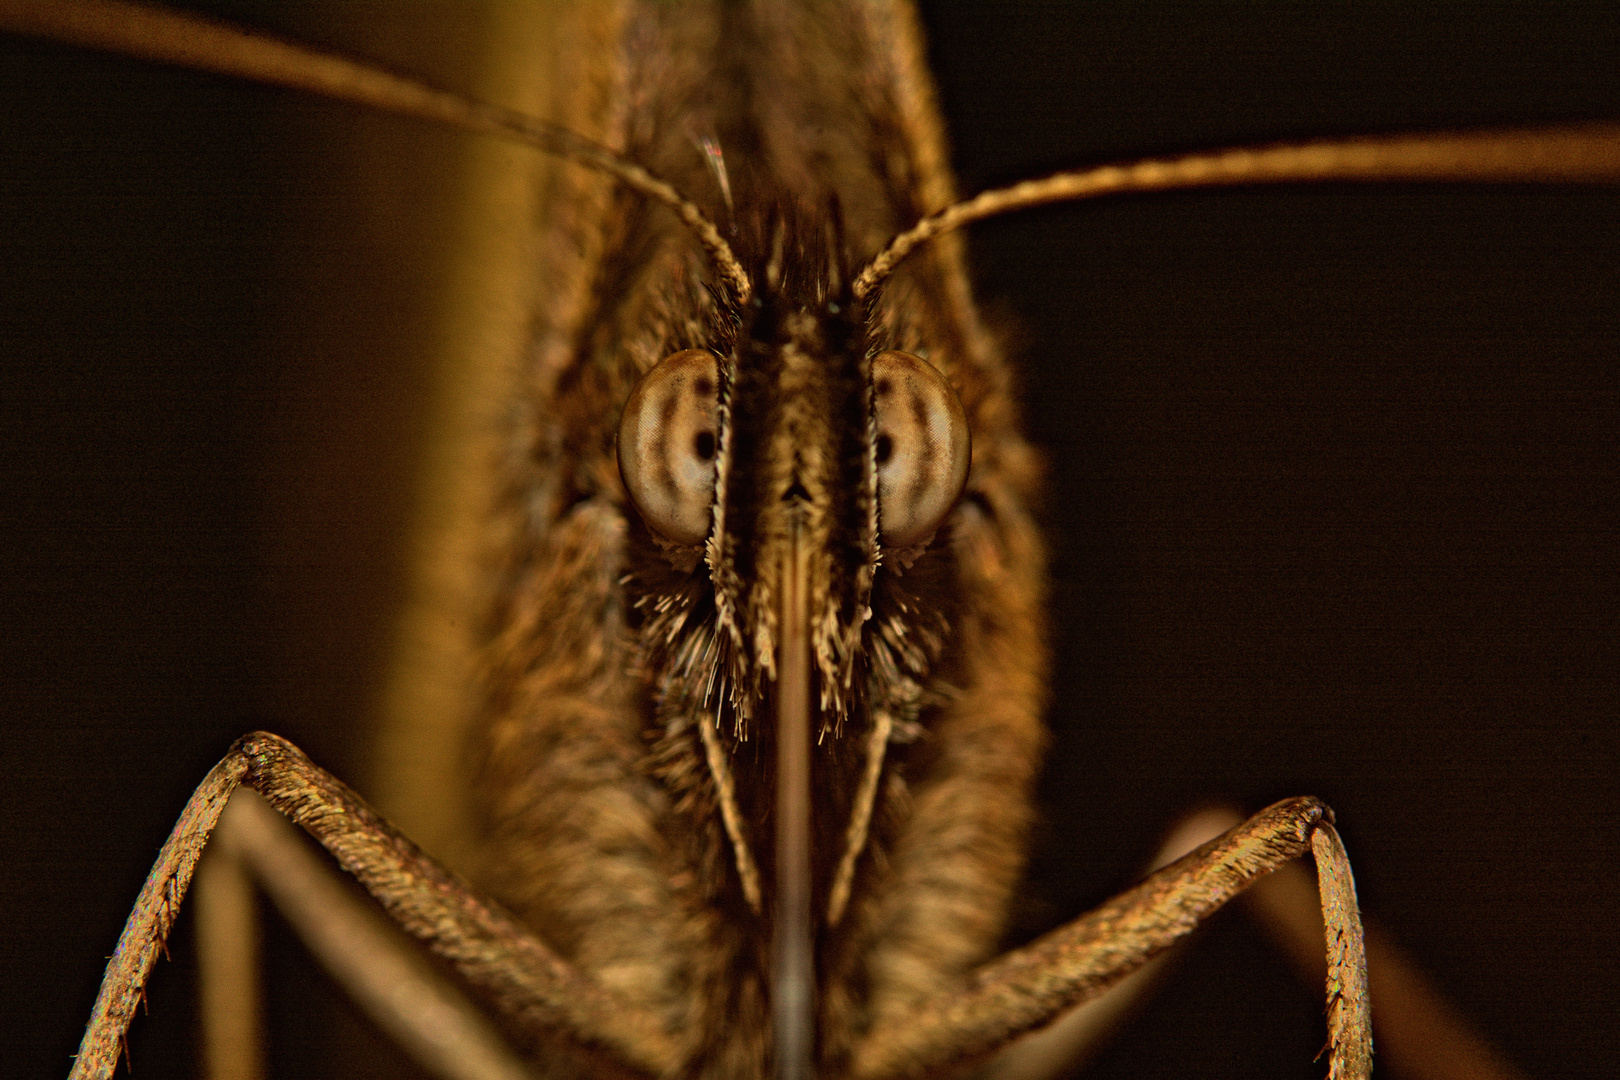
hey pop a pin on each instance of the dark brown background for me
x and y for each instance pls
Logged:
(1333, 482)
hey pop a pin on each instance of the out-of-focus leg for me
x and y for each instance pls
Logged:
(379, 967)
(1074, 1037)
(227, 921)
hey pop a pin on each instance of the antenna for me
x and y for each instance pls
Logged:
(1578, 154)
(168, 37)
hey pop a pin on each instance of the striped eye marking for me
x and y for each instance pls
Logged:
(668, 438)
(922, 447)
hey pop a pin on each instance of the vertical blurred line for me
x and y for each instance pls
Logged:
(428, 692)
(228, 976)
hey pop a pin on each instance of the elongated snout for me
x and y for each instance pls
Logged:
(792, 960)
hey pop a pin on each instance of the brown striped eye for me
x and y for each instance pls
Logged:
(922, 447)
(668, 437)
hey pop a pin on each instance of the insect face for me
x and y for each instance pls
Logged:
(1331, 500)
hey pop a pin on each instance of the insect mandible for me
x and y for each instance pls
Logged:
(1138, 843)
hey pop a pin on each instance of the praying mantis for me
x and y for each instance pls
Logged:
(1468, 675)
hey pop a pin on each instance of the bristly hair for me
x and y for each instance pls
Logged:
(695, 626)
(696, 634)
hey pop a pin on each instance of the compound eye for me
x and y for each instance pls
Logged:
(923, 450)
(668, 437)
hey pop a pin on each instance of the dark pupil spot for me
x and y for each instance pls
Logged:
(885, 447)
(703, 445)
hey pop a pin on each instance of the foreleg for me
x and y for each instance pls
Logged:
(380, 969)
(1029, 987)
(525, 981)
